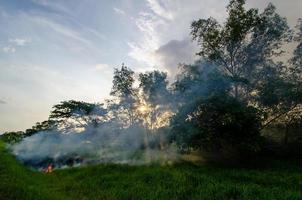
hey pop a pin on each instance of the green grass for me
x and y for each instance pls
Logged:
(281, 180)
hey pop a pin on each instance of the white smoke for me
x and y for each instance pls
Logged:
(104, 144)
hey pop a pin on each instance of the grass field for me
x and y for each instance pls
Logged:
(281, 180)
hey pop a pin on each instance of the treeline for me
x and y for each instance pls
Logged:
(242, 97)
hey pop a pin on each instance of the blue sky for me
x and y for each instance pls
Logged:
(54, 50)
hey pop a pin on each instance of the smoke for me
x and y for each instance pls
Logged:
(104, 144)
(2, 101)
(111, 137)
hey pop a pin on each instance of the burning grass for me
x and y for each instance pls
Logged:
(178, 181)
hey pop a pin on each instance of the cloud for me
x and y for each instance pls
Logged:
(175, 52)
(53, 5)
(101, 66)
(13, 44)
(19, 41)
(9, 49)
(77, 38)
(159, 8)
(119, 11)
(168, 22)
(63, 30)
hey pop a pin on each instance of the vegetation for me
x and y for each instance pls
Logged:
(220, 124)
(238, 102)
(226, 99)
(279, 180)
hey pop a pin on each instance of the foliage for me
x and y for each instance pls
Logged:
(123, 83)
(76, 114)
(12, 137)
(40, 126)
(122, 89)
(154, 87)
(296, 61)
(201, 79)
(155, 98)
(179, 181)
(15, 137)
(246, 48)
(245, 42)
(236, 89)
(218, 123)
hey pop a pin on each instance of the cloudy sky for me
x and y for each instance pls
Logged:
(54, 50)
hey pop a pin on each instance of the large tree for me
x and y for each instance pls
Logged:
(155, 98)
(280, 88)
(243, 44)
(125, 93)
(70, 115)
(296, 61)
(198, 80)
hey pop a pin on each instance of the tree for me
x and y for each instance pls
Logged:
(154, 108)
(243, 43)
(155, 97)
(219, 123)
(201, 79)
(296, 61)
(280, 90)
(122, 88)
(69, 115)
(39, 127)
(288, 99)
(12, 137)
(15, 137)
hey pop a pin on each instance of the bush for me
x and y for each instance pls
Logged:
(219, 124)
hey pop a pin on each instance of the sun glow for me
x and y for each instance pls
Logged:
(143, 109)
(154, 117)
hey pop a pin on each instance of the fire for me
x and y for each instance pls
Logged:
(49, 169)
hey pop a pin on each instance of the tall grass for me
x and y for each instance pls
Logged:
(279, 180)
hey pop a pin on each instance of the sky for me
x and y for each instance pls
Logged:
(55, 50)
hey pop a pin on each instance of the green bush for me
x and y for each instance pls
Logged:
(219, 124)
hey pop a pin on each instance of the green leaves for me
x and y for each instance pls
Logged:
(242, 45)
(123, 83)
(154, 87)
(217, 123)
(76, 114)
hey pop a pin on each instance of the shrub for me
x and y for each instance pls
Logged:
(220, 124)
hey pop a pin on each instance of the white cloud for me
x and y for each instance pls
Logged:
(78, 39)
(101, 66)
(19, 41)
(167, 22)
(54, 5)
(64, 30)
(13, 44)
(160, 8)
(9, 49)
(175, 52)
(119, 11)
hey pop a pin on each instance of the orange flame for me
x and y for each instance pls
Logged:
(49, 169)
